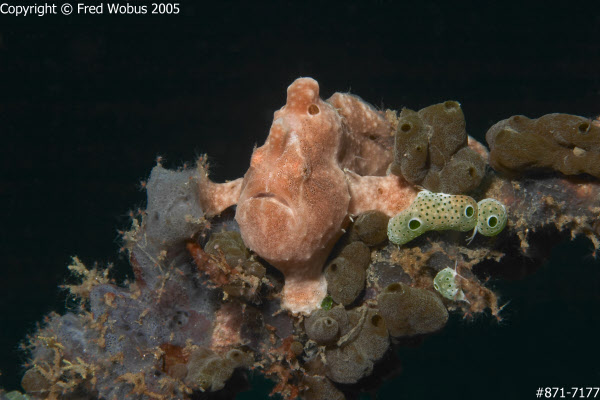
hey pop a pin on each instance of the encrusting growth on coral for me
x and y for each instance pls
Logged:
(289, 270)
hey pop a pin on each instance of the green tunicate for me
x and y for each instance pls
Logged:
(405, 226)
(491, 218)
(433, 211)
(445, 284)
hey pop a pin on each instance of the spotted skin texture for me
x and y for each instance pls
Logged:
(445, 284)
(491, 218)
(433, 211)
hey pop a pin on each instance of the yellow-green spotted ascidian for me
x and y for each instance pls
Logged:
(445, 283)
(439, 211)
(491, 218)
(433, 211)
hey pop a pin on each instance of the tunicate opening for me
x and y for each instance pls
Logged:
(406, 127)
(394, 287)
(469, 211)
(414, 224)
(492, 221)
(376, 320)
(313, 109)
(451, 105)
(584, 127)
(328, 321)
(472, 172)
(333, 267)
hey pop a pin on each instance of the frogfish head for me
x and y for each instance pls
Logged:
(294, 197)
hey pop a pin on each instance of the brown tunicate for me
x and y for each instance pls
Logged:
(254, 268)
(357, 351)
(34, 382)
(346, 274)
(347, 364)
(208, 371)
(410, 311)
(297, 348)
(239, 358)
(319, 387)
(373, 339)
(370, 228)
(358, 253)
(566, 143)
(326, 326)
(431, 150)
(448, 135)
(324, 330)
(230, 244)
(411, 147)
(345, 279)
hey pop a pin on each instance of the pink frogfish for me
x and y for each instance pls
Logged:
(322, 163)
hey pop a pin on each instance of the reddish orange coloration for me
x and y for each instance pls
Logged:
(298, 193)
(322, 162)
(172, 356)
(218, 272)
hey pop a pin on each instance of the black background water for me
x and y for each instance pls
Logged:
(88, 103)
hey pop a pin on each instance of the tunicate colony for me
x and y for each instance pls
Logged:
(439, 211)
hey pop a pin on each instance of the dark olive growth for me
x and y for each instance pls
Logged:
(209, 371)
(346, 274)
(358, 253)
(297, 348)
(559, 142)
(354, 360)
(326, 326)
(345, 279)
(411, 147)
(410, 311)
(254, 268)
(34, 382)
(231, 244)
(371, 227)
(324, 330)
(318, 388)
(431, 150)
(347, 364)
(373, 338)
